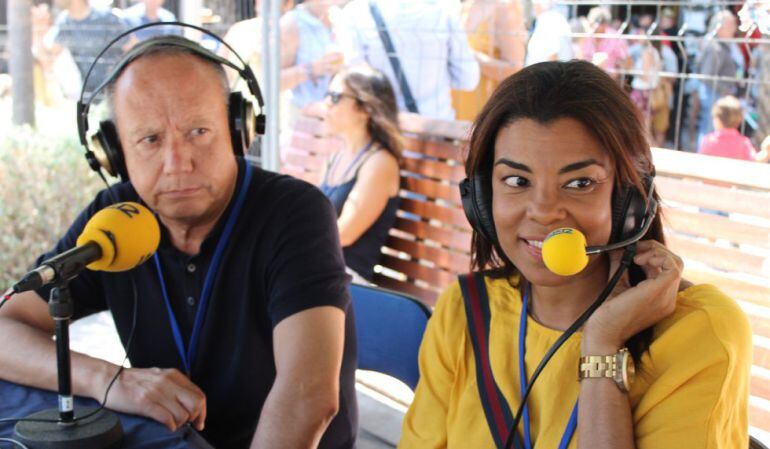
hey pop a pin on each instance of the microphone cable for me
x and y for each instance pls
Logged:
(6, 296)
(114, 378)
(625, 262)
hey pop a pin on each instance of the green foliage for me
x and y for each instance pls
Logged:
(44, 183)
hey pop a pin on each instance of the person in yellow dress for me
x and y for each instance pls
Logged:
(561, 145)
(497, 36)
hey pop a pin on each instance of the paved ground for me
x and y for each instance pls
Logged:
(379, 416)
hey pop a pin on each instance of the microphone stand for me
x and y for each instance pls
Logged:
(58, 428)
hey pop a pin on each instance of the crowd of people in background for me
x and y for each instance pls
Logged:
(443, 59)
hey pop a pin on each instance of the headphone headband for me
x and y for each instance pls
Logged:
(244, 72)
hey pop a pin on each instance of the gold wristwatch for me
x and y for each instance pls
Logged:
(618, 367)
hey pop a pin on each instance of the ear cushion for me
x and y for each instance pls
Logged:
(628, 208)
(106, 146)
(238, 108)
(476, 197)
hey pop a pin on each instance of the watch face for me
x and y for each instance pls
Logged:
(627, 369)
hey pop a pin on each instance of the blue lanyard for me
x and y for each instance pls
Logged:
(188, 355)
(569, 432)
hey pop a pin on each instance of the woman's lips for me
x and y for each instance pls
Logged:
(533, 251)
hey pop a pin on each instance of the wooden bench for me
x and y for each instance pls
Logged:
(430, 242)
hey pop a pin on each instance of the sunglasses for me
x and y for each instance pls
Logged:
(336, 97)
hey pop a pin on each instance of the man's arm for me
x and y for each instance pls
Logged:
(29, 358)
(308, 349)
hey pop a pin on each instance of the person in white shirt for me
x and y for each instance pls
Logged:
(430, 44)
(550, 40)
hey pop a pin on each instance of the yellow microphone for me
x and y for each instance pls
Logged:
(564, 251)
(127, 233)
(117, 238)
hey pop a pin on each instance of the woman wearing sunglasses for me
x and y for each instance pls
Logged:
(362, 179)
(560, 145)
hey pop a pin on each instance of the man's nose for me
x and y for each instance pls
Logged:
(177, 156)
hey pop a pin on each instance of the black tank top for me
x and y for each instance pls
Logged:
(364, 253)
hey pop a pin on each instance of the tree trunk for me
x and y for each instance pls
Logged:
(763, 96)
(20, 62)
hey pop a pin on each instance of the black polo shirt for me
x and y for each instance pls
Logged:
(283, 257)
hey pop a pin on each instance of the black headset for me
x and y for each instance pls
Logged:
(105, 151)
(632, 216)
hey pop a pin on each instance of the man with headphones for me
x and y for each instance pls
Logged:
(241, 325)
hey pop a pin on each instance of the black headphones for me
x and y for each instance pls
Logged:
(105, 152)
(631, 214)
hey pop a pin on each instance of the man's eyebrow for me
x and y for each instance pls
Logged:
(567, 168)
(512, 164)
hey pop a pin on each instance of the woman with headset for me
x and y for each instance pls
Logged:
(362, 180)
(560, 145)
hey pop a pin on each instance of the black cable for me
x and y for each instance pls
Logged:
(6, 296)
(114, 378)
(625, 261)
(14, 442)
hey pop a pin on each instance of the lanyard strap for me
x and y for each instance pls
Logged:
(189, 355)
(569, 431)
(351, 164)
(496, 409)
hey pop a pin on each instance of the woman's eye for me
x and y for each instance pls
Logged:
(516, 181)
(580, 183)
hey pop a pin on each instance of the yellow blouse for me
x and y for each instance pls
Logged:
(691, 390)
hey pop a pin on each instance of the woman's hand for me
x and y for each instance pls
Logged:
(629, 310)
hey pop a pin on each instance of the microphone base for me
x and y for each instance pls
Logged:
(101, 431)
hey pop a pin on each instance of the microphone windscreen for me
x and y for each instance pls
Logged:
(128, 234)
(564, 251)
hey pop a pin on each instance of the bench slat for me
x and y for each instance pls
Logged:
(451, 215)
(308, 143)
(434, 277)
(308, 161)
(760, 387)
(445, 236)
(732, 172)
(728, 259)
(308, 124)
(434, 148)
(432, 189)
(442, 257)
(713, 197)
(427, 296)
(758, 417)
(735, 288)
(418, 124)
(434, 169)
(715, 227)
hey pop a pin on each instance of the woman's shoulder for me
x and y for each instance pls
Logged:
(381, 157)
(451, 303)
(705, 315)
(380, 164)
